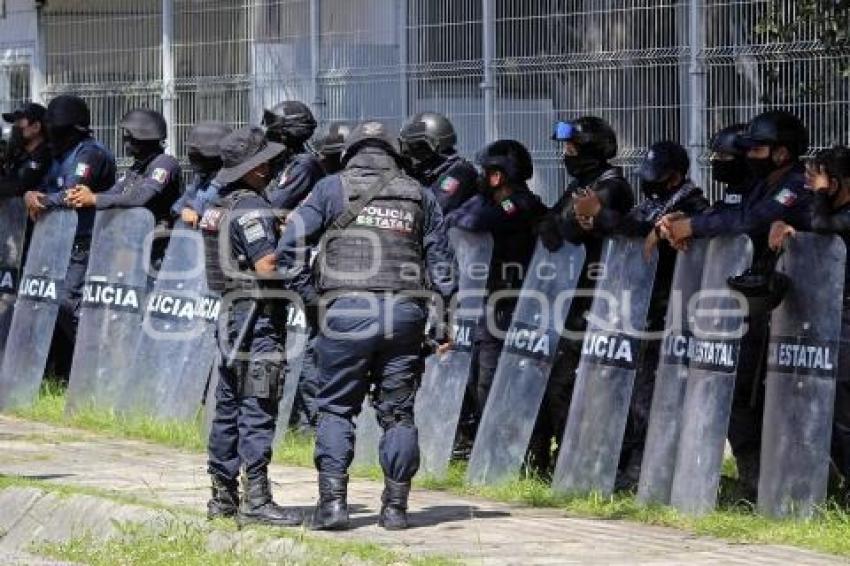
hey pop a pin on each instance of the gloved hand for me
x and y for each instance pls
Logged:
(550, 232)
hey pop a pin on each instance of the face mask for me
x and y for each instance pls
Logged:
(203, 164)
(578, 166)
(139, 149)
(332, 163)
(62, 139)
(731, 173)
(761, 168)
(653, 189)
(16, 138)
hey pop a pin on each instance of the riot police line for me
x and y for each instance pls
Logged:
(635, 339)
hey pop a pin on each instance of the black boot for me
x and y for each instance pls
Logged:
(331, 511)
(394, 505)
(225, 498)
(258, 508)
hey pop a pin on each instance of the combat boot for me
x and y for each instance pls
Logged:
(394, 505)
(225, 498)
(259, 508)
(331, 511)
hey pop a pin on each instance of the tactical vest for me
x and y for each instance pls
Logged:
(210, 225)
(381, 250)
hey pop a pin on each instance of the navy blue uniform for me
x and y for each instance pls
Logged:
(358, 344)
(90, 164)
(295, 181)
(512, 223)
(247, 395)
(785, 198)
(26, 172)
(453, 182)
(153, 182)
(198, 194)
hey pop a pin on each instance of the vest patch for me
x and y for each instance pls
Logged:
(102, 294)
(211, 220)
(732, 198)
(41, 289)
(386, 218)
(617, 350)
(802, 356)
(531, 342)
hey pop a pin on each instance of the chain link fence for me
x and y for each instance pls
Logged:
(656, 69)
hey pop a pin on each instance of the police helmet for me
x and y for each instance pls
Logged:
(144, 125)
(433, 128)
(593, 136)
(371, 132)
(727, 140)
(333, 142)
(508, 156)
(68, 111)
(204, 138)
(289, 121)
(776, 128)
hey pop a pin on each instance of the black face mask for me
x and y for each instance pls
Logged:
(332, 163)
(421, 157)
(733, 173)
(62, 138)
(16, 138)
(204, 165)
(653, 189)
(139, 149)
(578, 165)
(761, 168)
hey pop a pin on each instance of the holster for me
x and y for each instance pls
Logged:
(262, 380)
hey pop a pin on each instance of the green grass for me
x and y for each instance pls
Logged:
(734, 520)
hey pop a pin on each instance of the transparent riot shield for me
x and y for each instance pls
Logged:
(713, 361)
(439, 399)
(13, 225)
(523, 370)
(166, 383)
(36, 308)
(605, 377)
(801, 370)
(297, 335)
(671, 380)
(369, 434)
(111, 310)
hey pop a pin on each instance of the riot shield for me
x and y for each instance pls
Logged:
(368, 437)
(800, 389)
(605, 377)
(111, 309)
(671, 379)
(297, 335)
(523, 370)
(166, 382)
(36, 308)
(13, 225)
(713, 361)
(439, 399)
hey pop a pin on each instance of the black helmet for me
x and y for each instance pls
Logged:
(593, 136)
(776, 128)
(433, 128)
(333, 142)
(727, 140)
(510, 157)
(68, 111)
(204, 138)
(289, 122)
(371, 132)
(144, 125)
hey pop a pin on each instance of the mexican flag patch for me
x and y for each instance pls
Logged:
(159, 175)
(449, 185)
(785, 197)
(509, 207)
(82, 170)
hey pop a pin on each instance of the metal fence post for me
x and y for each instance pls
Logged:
(696, 79)
(488, 44)
(403, 58)
(169, 95)
(39, 58)
(316, 54)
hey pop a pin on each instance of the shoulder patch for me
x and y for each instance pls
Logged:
(732, 198)
(786, 197)
(159, 175)
(509, 207)
(449, 185)
(82, 170)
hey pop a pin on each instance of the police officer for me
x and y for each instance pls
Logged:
(204, 154)
(297, 170)
(428, 141)
(78, 160)
(666, 189)
(330, 146)
(29, 156)
(592, 206)
(509, 211)
(773, 143)
(382, 246)
(248, 391)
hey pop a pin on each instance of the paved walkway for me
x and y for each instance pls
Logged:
(474, 530)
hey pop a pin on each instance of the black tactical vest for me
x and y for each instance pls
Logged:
(381, 250)
(211, 225)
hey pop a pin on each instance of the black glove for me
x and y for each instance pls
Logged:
(550, 231)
